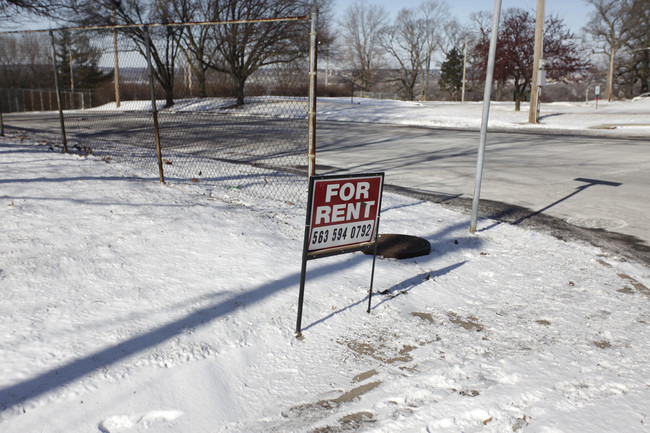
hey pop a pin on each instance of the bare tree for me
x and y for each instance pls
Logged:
(328, 47)
(405, 42)
(12, 9)
(361, 30)
(163, 42)
(634, 68)
(25, 61)
(435, 24)
(245, 47)
(515, 47)
(641, 35)
(196, 42)
(482, 23)
(478, 30)
(454, 35)
(609, 26)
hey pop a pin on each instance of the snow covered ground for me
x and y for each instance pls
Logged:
(608, 118)
(129, 306)
(628, 118)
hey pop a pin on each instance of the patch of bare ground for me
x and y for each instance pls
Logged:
(469, 323)
(636, 286)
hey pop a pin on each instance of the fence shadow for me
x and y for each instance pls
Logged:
(65, 374)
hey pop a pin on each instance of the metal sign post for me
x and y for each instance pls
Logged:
(342, 217)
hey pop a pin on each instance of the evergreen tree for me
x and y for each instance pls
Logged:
(76, 54)
(451, 74)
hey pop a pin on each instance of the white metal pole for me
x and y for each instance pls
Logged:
(487, 94)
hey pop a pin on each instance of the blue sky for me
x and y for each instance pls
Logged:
(574, 12)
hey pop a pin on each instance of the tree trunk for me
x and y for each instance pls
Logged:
(498, 93)
(201, 79)
(645, 73)
(610, 75)
(425, 85)
(169, 96)
(239, 91)
(517, 97)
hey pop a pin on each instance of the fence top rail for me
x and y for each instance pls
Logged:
(187, 24)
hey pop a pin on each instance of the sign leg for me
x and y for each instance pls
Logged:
(301, 294)
(372, 274)
(301, 298)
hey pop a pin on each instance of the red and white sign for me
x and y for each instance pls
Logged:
(344, 211)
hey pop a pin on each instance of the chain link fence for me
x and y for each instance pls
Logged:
(19, 100)
(166, 98)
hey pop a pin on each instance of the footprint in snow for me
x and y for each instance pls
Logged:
(120, 423)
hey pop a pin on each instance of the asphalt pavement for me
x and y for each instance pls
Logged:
(580, 187)
(585, 187)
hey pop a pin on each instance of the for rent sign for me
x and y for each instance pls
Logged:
(344, 211)
(342, 216)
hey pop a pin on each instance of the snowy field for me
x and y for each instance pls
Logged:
(616, 118)
(132, 306)
(607, 119)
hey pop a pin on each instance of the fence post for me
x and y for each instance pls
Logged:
(58, 93)
(116, 66)
(2, 123)
(313, 65)
(154, 109)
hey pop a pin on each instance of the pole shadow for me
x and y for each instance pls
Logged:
(587, 183)
(60, 376)
(401, 288)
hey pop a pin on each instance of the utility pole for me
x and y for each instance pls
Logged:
(539, 44)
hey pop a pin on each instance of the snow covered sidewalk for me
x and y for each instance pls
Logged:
(129, 305)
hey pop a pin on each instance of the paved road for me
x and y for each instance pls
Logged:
(590, 182)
